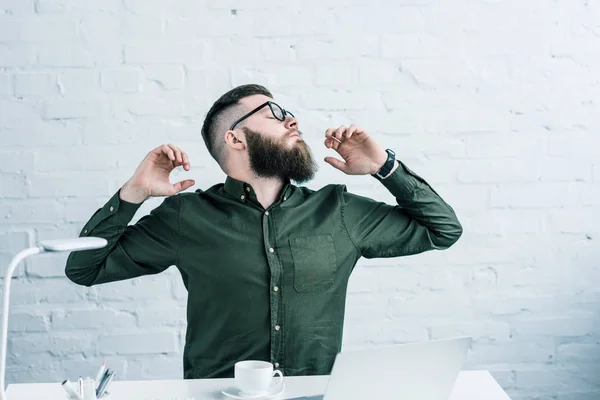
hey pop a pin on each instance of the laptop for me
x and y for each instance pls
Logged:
(414, 371)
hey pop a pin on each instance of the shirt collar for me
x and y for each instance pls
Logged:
(242, 191)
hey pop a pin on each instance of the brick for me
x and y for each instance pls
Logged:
(32, 211)
(47, 265)
(506, 222)
(23, 132)
(155, 367)
(498, 171)
(80, 210)
(57, 344)
(574, 144)
(565, 170)
(147, 342)
(211, 81)
(16, 55)
(91, 318)
(16, 7)
(79, 82)
(121, 80)
(383, 333)
(429, 304)
(337, 47)
(522, 351)
(161, 315)
(578, 352)
(335, 74)
(325, 100)
(505, 145)
(39, 84)
(107, 28)
(213, 23)
(72, 184)
(574, 221)
(477, 329)
(75, 108)
(556, 326)
(62, 6)
(79, 158)
(66, 54)
(466, 197)
(13, 185)
(223, 52)
(6, 85)
(12, 243)
(545, 195)
(28, 321)
(49, 29)
(17, 110)
(165, 76)
(157, 7)
(281, 76)
(551, 380)
(58, 292)
(189, 53)
(164, 104)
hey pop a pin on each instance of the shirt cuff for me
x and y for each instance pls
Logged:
(117, 212)
(403, 182)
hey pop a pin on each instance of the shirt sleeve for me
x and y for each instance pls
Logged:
(420, 221)
(148, 247)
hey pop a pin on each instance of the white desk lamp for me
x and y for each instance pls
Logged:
(82, 243)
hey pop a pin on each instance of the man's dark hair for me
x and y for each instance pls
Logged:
(223, 113)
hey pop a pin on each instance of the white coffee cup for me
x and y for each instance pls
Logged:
(255, 377)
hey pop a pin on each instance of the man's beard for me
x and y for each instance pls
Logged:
(272, 159)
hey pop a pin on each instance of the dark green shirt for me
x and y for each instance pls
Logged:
(264, 284)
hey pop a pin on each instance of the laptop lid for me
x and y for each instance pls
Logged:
(414, 371)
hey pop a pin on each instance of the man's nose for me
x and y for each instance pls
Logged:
(291, 122)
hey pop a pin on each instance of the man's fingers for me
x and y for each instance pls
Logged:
(351, 130)
(168, 152)
(183, 185)
(339, 132)
(338, 164)
(177, 152)
(186, 161)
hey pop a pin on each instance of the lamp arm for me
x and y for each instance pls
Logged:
(5, 300)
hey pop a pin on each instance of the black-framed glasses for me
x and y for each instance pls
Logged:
(276, 110)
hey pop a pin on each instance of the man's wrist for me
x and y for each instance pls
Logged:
(132, 194)
(388, 166)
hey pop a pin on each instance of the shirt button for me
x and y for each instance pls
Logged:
(272, 250)
(277, 327)
(266, 213)
(242, 197)
(86, 231)
(248, 189)
(276, 365)
(276, 288)
(284, 198)
(111, 209)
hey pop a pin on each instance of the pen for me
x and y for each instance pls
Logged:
(106, 383)
(71, 390)
(100, 373)
(104, 377)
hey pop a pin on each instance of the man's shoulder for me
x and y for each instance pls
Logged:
(324, 191)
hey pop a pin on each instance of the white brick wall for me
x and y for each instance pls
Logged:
(493, 102)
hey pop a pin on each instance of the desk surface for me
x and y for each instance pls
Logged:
(470, 385)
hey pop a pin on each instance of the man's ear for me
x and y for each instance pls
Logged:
(235, 140)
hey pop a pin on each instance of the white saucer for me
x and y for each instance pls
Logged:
(235, 393)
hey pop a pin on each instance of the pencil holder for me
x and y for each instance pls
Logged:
(106, 396)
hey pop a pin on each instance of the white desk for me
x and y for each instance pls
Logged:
(470, 385)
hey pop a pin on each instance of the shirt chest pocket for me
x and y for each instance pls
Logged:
(314, 262)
